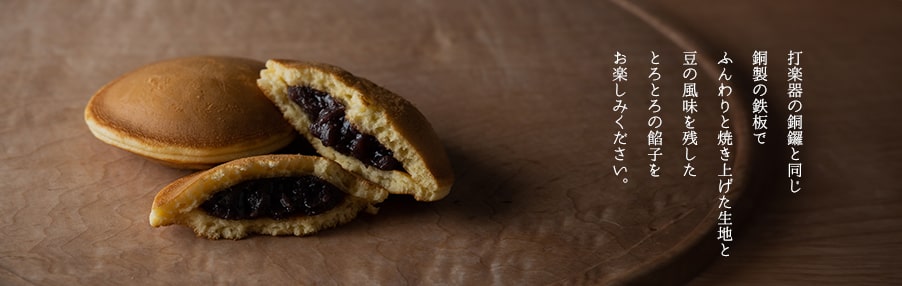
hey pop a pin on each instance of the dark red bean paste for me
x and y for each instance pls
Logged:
(277, 198)
(328, 123)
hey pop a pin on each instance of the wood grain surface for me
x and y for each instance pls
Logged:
(845, 227)
(521, 94)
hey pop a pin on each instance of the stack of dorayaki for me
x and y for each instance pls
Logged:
(226, 117)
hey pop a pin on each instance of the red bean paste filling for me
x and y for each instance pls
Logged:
(329, 125)
(277, 198)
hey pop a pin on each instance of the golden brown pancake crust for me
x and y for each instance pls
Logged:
(194, 110)
(178, 203)
(374, 110)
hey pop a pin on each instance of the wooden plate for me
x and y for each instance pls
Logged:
(522, 96)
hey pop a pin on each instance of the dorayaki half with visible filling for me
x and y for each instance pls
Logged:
(267, 194)
(367, 129)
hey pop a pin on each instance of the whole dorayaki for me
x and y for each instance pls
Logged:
(192, 112)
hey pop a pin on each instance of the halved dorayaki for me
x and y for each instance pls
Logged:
(267, 194)
(191, 112)
(362, 126)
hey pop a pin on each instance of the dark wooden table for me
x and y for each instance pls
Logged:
(521, 94)
(845, 226)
